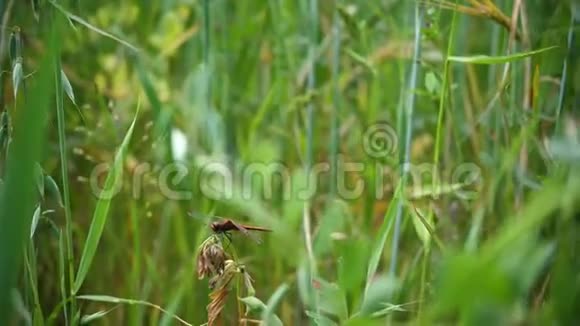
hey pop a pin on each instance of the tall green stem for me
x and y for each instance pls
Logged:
(65, 185)
(334, 136)
(413, 82)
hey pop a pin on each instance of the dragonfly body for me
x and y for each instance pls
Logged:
(229, 225)
(223, 226)
(226, 225)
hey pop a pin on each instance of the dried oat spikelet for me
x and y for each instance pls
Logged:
(211, 258)
(219, 283)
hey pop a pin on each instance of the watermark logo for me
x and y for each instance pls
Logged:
(380, 140)
(267, 180)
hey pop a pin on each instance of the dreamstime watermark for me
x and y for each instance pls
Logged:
(380, 140)
(269, 180)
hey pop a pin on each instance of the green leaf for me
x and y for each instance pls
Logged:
(17, 75)
(253, 303)
(382, 237)
(102, 208)
(35, 219)
(268, 315)
(67, 86)
(87, 319)
(51, 188)
(320, 319)
(375, 298)
(421, 229)
(332, 299)
(490, 60)
(432, 83)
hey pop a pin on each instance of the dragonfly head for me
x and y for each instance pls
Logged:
(214, 226)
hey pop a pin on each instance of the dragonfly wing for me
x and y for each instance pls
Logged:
(245, 231)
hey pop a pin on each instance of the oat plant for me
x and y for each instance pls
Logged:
(217, 261)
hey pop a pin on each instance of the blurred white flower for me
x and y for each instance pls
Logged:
(178, 145)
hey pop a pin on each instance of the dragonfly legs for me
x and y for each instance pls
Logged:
(228, 236)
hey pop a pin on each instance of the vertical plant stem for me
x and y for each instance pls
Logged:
(65, 185)
(206, 52)
(413, 81)
(334, 137)
(564, 79)
(136, 313)
(308, 157)
(62, 271)
(436, 182)
(32, 271)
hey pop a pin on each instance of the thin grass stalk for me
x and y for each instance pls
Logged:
(225, 81)
(65, 297)
(206, 51)
(65, 185)
(438, 135)
(308, 157)
(564, 79)
(32, 271)
(413, 82)
(136, 313)
(334, 133)
(492, 123)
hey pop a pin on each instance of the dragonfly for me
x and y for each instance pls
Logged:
(224, 226)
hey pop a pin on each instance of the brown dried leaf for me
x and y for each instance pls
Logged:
(215, 307)
(220, 285)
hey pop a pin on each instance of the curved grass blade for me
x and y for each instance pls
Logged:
(83, 22)
(268, 315)
(116, 300)
(67, 87)
(382, 238)
(102, 209)
(490, 60)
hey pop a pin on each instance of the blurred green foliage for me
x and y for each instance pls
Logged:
(282, 96)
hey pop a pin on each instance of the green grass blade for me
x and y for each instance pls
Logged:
(17, 205)
(116, 300)
(268, 315)
(410, 108)
(102, 209)
(382, 237)
(539, 207)
(62, 146)
(491, 60)
(95, 29)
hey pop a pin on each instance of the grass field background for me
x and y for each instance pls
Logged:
(416, 161)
